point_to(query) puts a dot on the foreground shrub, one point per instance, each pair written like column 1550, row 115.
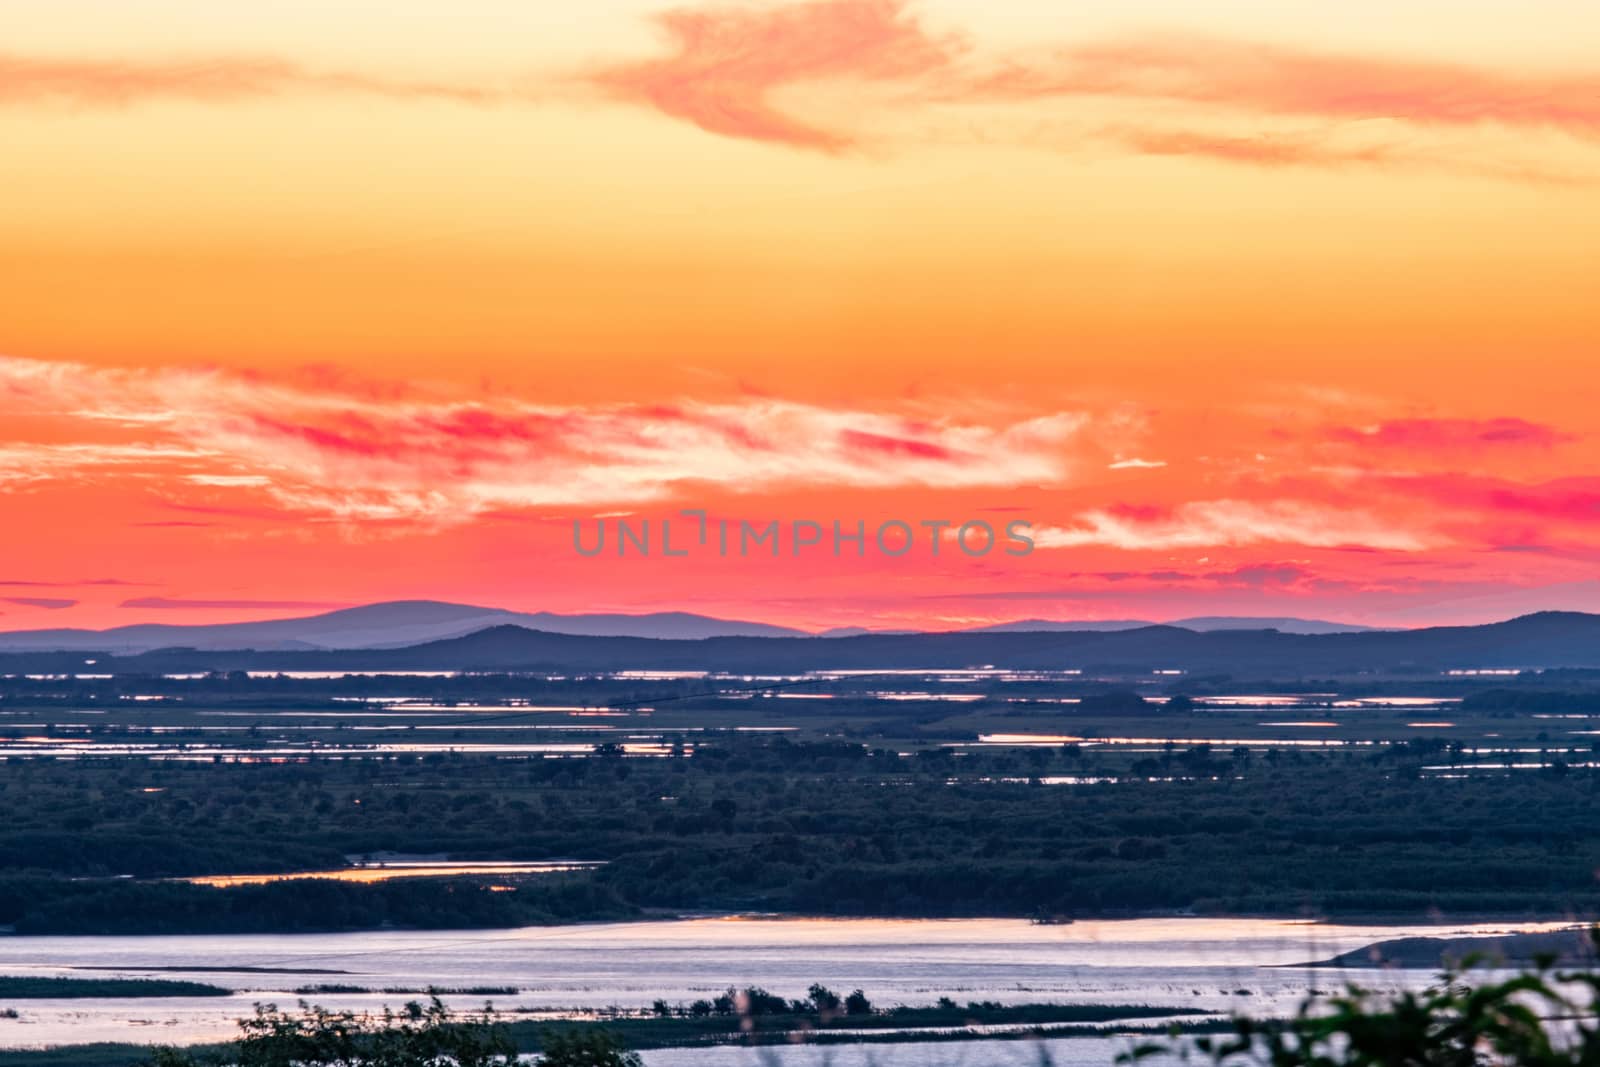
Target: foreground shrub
column 1540, row 1018
column 419, row 1036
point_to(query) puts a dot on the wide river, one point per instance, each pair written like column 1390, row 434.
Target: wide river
column 1228, row 964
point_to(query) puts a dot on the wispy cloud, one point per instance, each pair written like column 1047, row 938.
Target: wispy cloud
column 1271, row 578
column 1452, row 434
column 170, row 604
column 1231, row 523
column 32, row 583
column 725, row 63
column 25, row 463
column 1563, row 500
column 341, row 455
column 726, row 68
column 1277, row 80
column 1259, row 149
column 49, row 603
column 107, row 82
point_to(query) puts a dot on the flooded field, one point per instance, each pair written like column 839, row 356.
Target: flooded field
column 312, row 715
column 383, row 872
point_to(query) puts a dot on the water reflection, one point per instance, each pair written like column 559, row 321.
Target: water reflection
column 1177, row 962
column 384, row 872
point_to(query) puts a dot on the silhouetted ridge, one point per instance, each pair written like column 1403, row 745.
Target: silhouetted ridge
column 1544, row 640
column 393, row 624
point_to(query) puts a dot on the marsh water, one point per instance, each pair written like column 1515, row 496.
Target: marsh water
column 1224, row 964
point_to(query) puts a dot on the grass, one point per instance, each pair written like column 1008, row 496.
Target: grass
column 27, row 988
column 948, row 1023
column 462, row 991
column 901, row 1024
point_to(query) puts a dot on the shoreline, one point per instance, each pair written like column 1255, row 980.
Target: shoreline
column 652, row 1033
column 653, row 916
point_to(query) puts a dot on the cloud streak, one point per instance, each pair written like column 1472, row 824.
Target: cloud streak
column 727, row 68
column 345, row 456
column 1262, row 149
column 162, row 603
column 94, row 82
column 49, row 603
column 1274, row 80
column 726, row 63
column 1232, row 524
column 1452, row 434
column 31, row 583
column 1562, row 500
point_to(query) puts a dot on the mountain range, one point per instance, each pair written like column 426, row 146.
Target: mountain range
column 396, row 624
column 1542, row 640
column 1203, row 623
column 393, row 624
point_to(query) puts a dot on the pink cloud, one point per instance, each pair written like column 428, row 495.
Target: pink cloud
column 1270, row 79
column 873, row 442
column 727, row 65
column 28, row 583
column 1139, row 513
column 1254, row 575
column 119, row 82
column 47, row 602
column 1452, row 434
column 727, row 62
column 170, row 604
column 1563, row 500
column 1263, row 574
column 1208, row 524
column 1259, row 149
column 217, row 443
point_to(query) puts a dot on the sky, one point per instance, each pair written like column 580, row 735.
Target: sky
column 1246, row 308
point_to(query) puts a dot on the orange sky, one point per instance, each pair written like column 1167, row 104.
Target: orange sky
column 1249, row 308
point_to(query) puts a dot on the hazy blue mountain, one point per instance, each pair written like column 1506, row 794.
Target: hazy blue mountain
column 388, row 625
column 1199, row 622
column 1288, row 625
column 1022, row 626
column 398, row 623
column 1544, row 640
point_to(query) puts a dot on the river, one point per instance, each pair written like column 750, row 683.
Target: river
column 1226, row 964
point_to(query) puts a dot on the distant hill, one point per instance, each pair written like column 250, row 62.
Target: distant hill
column 1566, row 947
column 1040, row 626
column 1544, row 640
column 392, row 624
column 1199, row 622
column 398, row 623
column 1287, row 624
